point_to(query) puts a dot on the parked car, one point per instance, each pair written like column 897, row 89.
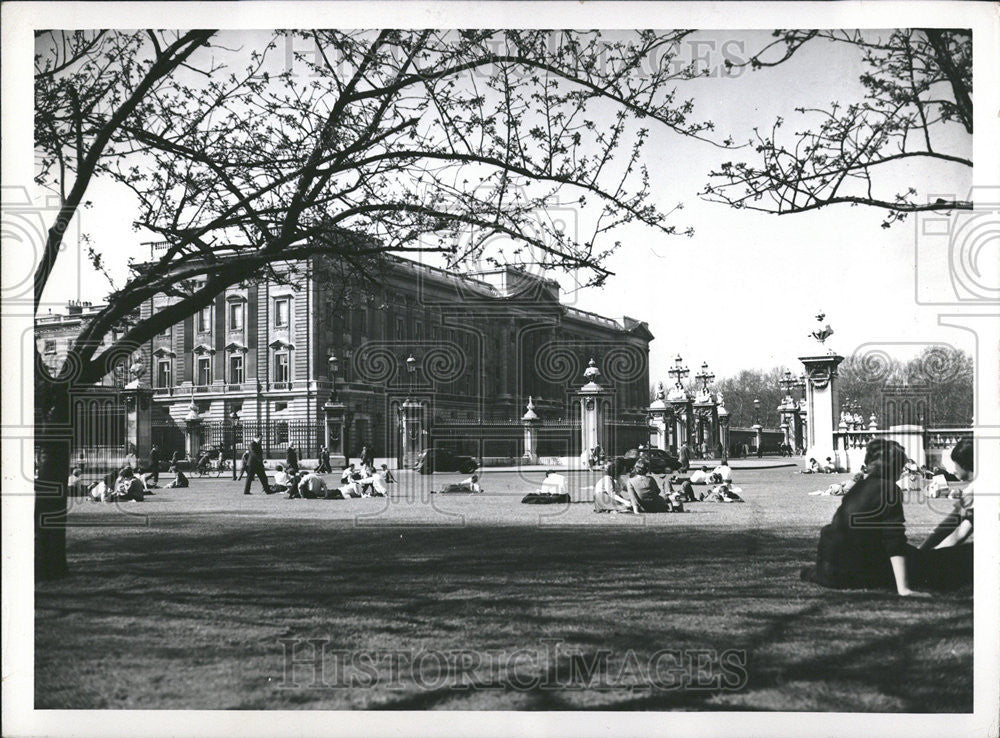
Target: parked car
column 660, row 461
column 441, row 459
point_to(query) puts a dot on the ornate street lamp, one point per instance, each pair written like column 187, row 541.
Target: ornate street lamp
column 679, row 372
column 235, row 418
column 704, row 376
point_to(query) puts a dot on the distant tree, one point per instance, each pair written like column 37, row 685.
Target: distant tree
column 740, row 391
column 373, row 142
column 917, row 106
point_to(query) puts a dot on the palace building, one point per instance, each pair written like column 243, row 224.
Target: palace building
column 471, row 349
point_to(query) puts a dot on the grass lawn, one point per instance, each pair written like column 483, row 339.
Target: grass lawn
column 201, row 598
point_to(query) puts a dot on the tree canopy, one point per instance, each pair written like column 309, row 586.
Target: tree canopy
column 917, row 105
column 373, row 142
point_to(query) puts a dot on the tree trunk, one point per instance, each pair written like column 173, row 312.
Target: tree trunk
column 52, row 449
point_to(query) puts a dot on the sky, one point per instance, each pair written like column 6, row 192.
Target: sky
column 742, row 292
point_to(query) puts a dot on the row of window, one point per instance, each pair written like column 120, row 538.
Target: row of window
column 235, row 374
column 236, row 316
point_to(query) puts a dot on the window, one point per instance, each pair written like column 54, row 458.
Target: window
column 281, row 433
column 50, row 346
column 236, row 316
column 205, row 320
column 281, row 310
column 235, row 369
column 163, row 373
column 363, row 321
column 399, row 328
column 281, row 367
column 204, row 371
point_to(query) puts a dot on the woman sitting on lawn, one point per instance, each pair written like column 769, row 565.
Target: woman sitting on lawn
column 865, row 543
column 956, row 528
column 608, row 493
column 644, row 492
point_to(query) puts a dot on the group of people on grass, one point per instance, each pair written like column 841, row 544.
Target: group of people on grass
column 865, row 545
column 639, row 492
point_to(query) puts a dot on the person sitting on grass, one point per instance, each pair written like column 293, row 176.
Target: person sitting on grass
column 686, row 493
column 470, row 485
column 700, row 476
column 381, row 481
column 75, row 486
column 128, row 486
column 865, row 546
column 956, row 528
column 283, row 481
column 813, row 467
column 723, row 493
column 644, row 492
column 553, row 484
column 828, row 466
column 347, row 476
column 723, row 472
column 180, row 479
column 312, row 486
column 608, row 494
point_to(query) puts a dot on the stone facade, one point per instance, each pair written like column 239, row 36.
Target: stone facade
column 482, row 343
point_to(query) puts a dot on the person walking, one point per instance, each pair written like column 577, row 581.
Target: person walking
column 243, row 464
column 255, row 467
column 367, row 456
column 154, row 464
column 324, row 461
column 685, row 458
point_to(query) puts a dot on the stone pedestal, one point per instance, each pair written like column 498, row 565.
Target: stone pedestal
column 412, row 431
column 138, row 417
column 658, row 412
column 593, row 413
column 530, row 419
column 822, row 402
column 334, row 432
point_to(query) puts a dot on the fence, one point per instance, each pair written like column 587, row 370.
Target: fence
column 276, row 436
column 924, row 445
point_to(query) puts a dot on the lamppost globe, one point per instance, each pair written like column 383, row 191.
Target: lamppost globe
column 333, row 364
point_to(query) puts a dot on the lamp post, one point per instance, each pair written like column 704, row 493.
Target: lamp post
column 704, row 376
column 333, row 365
column 235, row 418
column 678, row 372
column 724, row 432
column 681, row 403
column 411, row 369
column 758, row 427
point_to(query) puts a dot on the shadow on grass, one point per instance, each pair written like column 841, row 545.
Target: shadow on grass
column 209, row 610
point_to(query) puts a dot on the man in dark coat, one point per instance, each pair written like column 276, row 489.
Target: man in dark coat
column 324, row 462
column 291, row 460
column 685, row 457
column 154, row 464
column 367, row 456
column 255, row 467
